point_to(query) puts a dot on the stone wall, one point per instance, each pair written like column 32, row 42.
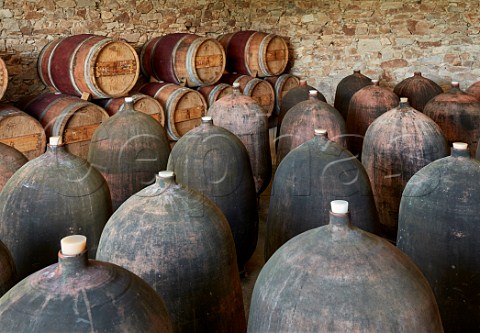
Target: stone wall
column 385, row 39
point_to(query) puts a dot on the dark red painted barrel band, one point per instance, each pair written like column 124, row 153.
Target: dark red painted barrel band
column 113, row 105
column 42, row 65
column 236, row 51
column 36, row 107
column 146, row 56
column 163, row 57
column 61, row 59
column 152, row 88
column 230, row 78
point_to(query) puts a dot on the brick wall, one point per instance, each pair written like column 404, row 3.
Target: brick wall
column 385, row 39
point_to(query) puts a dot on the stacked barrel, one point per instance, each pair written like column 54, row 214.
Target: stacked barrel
column 181, row 62
column 76, row 69
column 3, row 78
column 256, row 60
column 17, row 129
column 255, row 54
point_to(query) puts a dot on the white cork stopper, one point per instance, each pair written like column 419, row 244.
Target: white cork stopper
column 312, row 92
column 236, row 84
column 55, row 140
column 128, row 99
column 460, row 145
column 320, row 131
column 339, row 206
column 374, row 81
column 73, row 245
column 166, row 174
column 455, row 84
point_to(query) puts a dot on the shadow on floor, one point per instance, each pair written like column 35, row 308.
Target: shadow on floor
column 256, row 262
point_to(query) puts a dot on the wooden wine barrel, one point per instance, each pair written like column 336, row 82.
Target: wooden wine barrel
column 183, row 57
column 255, row 53
column 141, row 102
column 260, row 90
column 3, row 78
column 68, row 116
column 10, row 161
column 184, row 107
column 98, row 65
column 213, row 93
column 22, row 132
column 281, row 85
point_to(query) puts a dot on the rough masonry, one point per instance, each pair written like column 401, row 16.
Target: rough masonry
column 386, row 39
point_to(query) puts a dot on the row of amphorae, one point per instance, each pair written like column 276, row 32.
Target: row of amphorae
column 189, row 238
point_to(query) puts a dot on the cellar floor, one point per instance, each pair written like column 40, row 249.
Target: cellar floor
column 256, row 262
